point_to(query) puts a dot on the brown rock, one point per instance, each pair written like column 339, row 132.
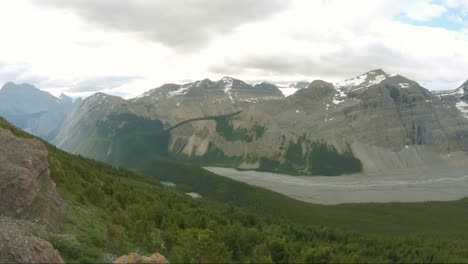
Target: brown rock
column 18, row 246
column 156, row 258
column 26, row 188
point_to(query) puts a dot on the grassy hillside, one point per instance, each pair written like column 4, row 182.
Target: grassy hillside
column 114, row 211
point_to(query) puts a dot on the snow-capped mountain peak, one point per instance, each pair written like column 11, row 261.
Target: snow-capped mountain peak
column 364, row 80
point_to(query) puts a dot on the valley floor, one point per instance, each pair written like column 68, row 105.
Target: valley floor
column 408, row 185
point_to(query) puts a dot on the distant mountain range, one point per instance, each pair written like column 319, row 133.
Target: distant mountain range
column 33, row 110
column 372, row 122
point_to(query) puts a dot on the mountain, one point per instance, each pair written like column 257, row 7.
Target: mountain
column 174, row 103
column 457, row 96
column 372, row 122
column 112, row 212
column 104, row 126
column 35, row 111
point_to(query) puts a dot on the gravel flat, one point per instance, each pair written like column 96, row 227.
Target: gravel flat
column 408, row 185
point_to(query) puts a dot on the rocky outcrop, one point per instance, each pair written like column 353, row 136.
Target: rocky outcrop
column 17, row 245
column 28, row 201
column 26, row 188
column 156, row 258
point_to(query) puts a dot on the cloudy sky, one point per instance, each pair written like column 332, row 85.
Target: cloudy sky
column 125, row 47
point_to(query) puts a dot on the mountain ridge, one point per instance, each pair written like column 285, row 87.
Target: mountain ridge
column 332, row 108
column 34, row 110
column 375, row 121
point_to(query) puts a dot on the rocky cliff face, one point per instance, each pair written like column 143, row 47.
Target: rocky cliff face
column 27, row 198
column 373, row 122
column 26, row 189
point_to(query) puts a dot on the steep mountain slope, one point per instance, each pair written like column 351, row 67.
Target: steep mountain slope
column 35, row 111
column 372, row 122
column 111, row 212
column 105, row 126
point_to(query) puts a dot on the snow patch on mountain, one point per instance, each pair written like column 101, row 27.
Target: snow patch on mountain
column 404, row 85
column 287, row 91
column 181, row 91
column 363, row 81
column 228, row 82
column 377, row 79
column 463, row 107
column 351, row 82
column 336, row 101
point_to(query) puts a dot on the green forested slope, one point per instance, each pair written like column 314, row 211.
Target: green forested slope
column 448, row 220
column 112, row 211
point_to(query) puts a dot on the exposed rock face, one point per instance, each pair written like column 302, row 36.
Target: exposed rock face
column 156, row 258
column 18, row 246
column 26, row 189
column 385, row 121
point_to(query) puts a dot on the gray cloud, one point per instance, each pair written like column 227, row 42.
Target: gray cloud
column 347, row 62
column 183, row 25
column 101, row 83
column 19, row 73
column 288, row 64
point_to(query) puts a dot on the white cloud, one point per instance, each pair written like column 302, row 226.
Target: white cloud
column 456, row 3
column 61, row 49
column 423, row 10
